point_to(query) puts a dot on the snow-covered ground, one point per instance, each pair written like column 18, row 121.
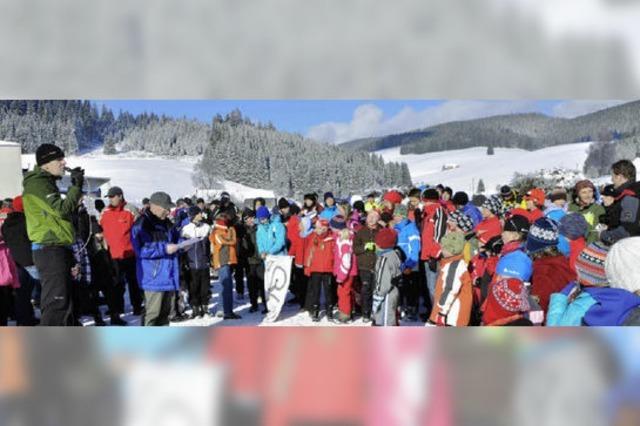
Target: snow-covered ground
column 474, row 164
column 290, row 315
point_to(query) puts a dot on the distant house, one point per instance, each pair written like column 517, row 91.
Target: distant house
column 450, row 166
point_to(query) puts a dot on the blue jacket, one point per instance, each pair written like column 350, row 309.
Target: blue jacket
column 156, row 270
column 329, row 212
column 271, row 237
column 473, row 212
column 409, row 243
column 594, row 306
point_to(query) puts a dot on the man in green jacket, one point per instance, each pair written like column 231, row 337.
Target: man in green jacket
column 51, row 232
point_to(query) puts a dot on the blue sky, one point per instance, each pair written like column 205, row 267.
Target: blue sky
column 339, row 120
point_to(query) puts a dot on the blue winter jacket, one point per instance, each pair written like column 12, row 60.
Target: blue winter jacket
column 271, row 237
column 156, row 270
column 329, row 212
column 473, row 212
column 409, row 243
column 594, row 306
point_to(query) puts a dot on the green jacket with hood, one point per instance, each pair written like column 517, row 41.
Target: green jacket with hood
column 48, row 214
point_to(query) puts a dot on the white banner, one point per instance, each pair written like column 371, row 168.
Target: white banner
column 277, row 275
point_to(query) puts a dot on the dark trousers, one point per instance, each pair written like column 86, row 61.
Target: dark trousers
column 255, row 282
column 125, row 270
column 239, row 272
column 199, row 287
column 54, row 266
column 299, row 283
column 6, row 296
column 410, row 291
column 367, row 280
column 23, row 307
column 320, row 282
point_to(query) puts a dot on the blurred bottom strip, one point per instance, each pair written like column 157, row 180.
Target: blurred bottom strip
column 319, row 376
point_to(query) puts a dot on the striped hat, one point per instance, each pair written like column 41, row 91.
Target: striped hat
column 590, row 265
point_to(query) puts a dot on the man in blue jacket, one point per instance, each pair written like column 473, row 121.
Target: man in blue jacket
column 271, row 234
column 154, row 239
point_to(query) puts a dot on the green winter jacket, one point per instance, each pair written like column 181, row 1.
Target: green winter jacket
column 48, row 214
column 592, row 215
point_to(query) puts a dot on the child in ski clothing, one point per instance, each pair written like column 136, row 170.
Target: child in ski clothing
column 483, row 264
column 508, row 298
column 453, row 297
column 224, row 244
column 255, row 277
column 318, row 265
column 434, row 226
column 271, row 234
column 409, row 243
column 572, row 232
column 534, row 202
column 460, row 222
column 514, row 233
column 8, row 281
column 551, row 270
column 198, row 256
column 364, row 247
column 492, row 207
column 345, row 268
column 388, row 273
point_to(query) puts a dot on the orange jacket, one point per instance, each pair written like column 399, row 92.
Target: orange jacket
column 453, row 296
column 223, row 244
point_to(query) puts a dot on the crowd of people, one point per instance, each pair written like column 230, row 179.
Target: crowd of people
column 554, row 257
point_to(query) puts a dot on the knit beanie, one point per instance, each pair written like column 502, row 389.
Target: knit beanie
column 263, row 213
column 515, row 265
column 542, row 234
column 400, row 210
column 610, row 191
column 328, row 195
column 507, row 298
column 573, row 226
column 505, row 192
column 48, row 152
column 283, row 203
column 393, row 197
column 590, row 265
column 478, row 200
column 430, row 194
column 460, row 198
column 623, row 264
column 453, row 242
column 359, row 205
column 386, row 238
column 536, row 195
column 461, row 220
column 493, row 204
column 338, row 222
column 517, row 223
column 193, row 211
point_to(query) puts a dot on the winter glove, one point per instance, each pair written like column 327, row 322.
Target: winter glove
column 377, row 302
column 433, row 265
column 77, row 177
column 441, row 320
column 370, row 246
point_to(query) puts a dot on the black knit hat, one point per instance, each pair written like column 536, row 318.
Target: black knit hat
column 610, row 191
column 48, row 152
column 460, row 198
column 430, row 194
column 283, row 203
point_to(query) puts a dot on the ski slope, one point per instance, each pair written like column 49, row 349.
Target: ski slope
column 474, row 164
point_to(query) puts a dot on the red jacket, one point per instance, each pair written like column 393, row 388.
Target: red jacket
column 116, row 225
column 318, row 253
column 550, row 275
column 434, row 226
column 296, row 247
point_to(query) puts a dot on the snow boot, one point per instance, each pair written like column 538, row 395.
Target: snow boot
column 315, row 316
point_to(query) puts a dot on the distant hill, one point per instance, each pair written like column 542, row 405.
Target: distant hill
column 530, row 131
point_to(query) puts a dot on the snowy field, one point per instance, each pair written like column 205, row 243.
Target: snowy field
column 494, row 170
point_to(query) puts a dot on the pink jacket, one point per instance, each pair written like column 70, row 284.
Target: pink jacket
column 344, row 263
column 8, row 271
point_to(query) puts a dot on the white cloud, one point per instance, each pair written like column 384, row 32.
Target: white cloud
column 571, row 109
column 369, row 120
